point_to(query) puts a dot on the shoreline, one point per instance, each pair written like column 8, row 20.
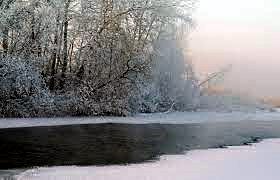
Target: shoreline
column 156, row 118
column 205, row 164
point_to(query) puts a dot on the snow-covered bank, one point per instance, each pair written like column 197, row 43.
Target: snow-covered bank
column 257, row 162
column 170, row 118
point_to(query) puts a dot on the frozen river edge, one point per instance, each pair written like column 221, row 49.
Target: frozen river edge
column 257, row 162
column 161, row 118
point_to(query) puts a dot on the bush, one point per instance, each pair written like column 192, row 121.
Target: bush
column 23, row 92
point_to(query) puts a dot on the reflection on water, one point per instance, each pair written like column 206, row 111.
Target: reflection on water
column 104, row 144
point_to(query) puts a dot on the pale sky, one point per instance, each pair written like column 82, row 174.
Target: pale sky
column 244, row 33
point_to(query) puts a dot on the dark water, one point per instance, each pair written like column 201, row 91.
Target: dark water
column 104, row 144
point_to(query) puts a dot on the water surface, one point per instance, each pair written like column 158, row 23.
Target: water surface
column 108, row 144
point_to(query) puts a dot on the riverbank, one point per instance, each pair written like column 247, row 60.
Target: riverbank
column 256, row 162
column 161, row 118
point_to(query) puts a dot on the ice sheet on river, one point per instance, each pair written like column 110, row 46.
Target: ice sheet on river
column 258, row 162
column 164, row 118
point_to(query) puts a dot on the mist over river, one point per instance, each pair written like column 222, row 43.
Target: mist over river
column 107, row 144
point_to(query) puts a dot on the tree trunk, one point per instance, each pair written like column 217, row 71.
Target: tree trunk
column 53, row 65
column 53, row 61
column 65, row 43
column 5, row 42
column 65, row 37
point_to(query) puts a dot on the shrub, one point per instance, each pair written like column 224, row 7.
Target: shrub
column 23, row 92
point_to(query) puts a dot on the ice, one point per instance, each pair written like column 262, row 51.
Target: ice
column 257, row 162
column 163, row 118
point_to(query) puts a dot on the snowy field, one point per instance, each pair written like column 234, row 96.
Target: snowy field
column 164, row 118
column 257, row 162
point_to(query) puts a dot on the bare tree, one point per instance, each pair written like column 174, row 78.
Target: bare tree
column 99, row 50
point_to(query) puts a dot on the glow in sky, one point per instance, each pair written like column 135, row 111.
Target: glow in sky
column 245, row 33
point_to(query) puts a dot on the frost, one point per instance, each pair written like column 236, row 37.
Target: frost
column 23, row 92
column 93, row 57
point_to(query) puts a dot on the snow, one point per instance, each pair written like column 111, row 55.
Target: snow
column 257, row 162
column 163, row 118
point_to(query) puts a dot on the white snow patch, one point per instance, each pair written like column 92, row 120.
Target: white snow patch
column 162, row 118
column 257, row 162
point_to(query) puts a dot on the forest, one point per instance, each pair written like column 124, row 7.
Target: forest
column 98, row 57
column 95, row 57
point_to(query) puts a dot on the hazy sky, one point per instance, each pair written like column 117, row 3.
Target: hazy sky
column 244, row 33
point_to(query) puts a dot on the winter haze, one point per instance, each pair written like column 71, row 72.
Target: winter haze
column 139, row 89
column 244, row 34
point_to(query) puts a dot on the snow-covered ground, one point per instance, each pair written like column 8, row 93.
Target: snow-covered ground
column 164, row 118
column 257, row 162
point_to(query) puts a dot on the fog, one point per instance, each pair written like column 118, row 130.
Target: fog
column 245, row 34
